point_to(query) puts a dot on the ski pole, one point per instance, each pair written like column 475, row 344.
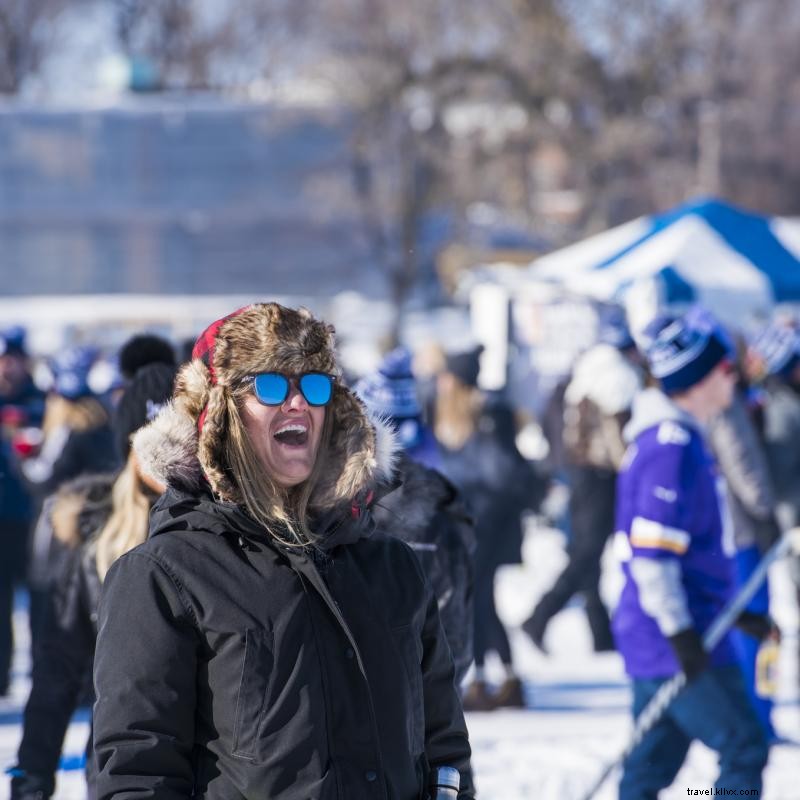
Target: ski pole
column 661, row 700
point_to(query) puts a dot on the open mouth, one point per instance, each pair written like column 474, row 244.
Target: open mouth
column 292, row 435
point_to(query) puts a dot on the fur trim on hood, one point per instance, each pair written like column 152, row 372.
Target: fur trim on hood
column 264, row 337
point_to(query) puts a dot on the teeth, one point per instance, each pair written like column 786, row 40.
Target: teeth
column 292, row 428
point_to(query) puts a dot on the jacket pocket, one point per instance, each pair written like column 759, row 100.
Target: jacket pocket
column 411, row 651
column 257, row 669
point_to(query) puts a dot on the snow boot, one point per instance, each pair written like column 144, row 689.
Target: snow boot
column 478, row 698
column 510, row 694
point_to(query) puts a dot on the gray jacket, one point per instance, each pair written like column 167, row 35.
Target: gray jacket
column 751, row 493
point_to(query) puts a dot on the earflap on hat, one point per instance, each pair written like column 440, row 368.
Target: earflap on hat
column 362, row 452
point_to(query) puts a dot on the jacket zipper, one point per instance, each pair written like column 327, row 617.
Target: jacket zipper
column 303, row 566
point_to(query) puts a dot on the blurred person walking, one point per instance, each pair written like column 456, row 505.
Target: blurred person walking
column 775, row 362
column 424, row 509
column 597, row 403
column 479, row 455
column 94, row 519
column 678, row 569
column 739, row 451
column 76, row 428
column 266, row 640
column 21, row 410
column 76, row 440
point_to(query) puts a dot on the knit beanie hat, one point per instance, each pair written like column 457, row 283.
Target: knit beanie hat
column 466, row 366
column 145, row 395
column 71, row 370
column 391, row 392
column 144, row 348
column 12, row 341
column 680, row 354
column 264, row 337
column 777, row 347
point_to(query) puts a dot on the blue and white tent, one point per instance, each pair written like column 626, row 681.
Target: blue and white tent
column 734, row 262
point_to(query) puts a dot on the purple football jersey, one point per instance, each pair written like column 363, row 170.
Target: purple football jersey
column 669, row 506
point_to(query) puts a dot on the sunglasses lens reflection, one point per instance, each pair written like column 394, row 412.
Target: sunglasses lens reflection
column 271, row 388
column 316, row 388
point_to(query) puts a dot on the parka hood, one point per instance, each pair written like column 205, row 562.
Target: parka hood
column 651, row 407
column 184, row 446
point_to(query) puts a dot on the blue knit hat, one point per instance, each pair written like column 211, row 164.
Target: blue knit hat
column 391, row 392
column 681, row 351
column 70, row 370
column 12, row 341
column 778, row 347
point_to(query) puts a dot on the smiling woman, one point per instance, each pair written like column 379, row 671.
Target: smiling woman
column 267, row 640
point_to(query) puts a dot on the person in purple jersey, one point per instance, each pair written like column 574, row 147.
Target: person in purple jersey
column 678, row 569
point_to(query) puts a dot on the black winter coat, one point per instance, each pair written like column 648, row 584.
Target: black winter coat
column 497, row 483
column 62, row 664
column 228, row 667
column 426, row 512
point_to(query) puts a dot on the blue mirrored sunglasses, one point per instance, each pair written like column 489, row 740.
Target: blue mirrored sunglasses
column 272, row 388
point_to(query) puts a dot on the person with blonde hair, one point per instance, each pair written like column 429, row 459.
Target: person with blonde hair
column 76, row 429
column 479, row 455
column 76, row 440
column 267, row 640
column 92, row 520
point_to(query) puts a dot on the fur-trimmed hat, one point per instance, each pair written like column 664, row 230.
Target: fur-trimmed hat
column 186, row 440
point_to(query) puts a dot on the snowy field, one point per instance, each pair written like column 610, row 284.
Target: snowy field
column 577, row 718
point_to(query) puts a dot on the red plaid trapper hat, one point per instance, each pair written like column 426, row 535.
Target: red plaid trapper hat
column 204, row 350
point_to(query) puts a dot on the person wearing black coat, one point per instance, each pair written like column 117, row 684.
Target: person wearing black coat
column 21, row 411
column 481, row 458
column 425, row 510
column 267, row 640
column 90, row 521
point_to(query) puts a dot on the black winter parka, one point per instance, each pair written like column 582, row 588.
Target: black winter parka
column 229, row 667
column 62, row 662
column 427, row 512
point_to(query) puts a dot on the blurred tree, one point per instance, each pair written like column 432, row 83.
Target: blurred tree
column 612, row 107
column 27, row 31
column 444, row 94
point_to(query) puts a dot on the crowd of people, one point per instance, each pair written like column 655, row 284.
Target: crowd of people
column 267, row 577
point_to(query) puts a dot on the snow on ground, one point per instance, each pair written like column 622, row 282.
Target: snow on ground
column 577, row 718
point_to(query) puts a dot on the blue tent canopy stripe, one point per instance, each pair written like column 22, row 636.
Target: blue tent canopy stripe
column 732, row 260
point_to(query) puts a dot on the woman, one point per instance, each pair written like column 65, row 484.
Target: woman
column 481, row 458
column 76, row 431
column 76, row 440
column 425, row 510
column 93, row 520
column 266, row 641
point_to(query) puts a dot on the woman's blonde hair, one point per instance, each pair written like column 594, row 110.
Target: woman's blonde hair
column 456, row 413
column 83, row 414
column 129, row 522
column 279, row 510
